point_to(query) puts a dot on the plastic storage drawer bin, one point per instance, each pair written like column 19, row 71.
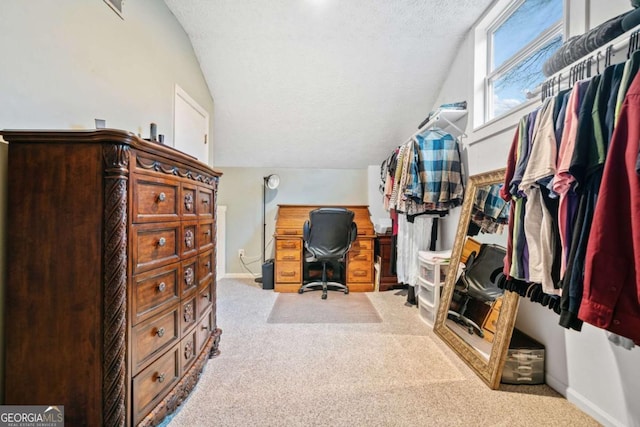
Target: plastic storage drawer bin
column 525, row 361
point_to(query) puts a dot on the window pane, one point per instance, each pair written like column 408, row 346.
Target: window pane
column 510, row 89
column 526, row 23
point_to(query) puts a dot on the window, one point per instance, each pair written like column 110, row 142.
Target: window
column 518, row 42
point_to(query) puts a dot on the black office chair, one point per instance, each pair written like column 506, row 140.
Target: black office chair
column 328, row 234
column 478, row 283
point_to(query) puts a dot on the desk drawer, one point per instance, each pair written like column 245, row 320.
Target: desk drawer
column 359, row 271
column 362, row 244
column 361, row 255
column 288, row 272
column 288, row 255
column 288, row 232
column 289, row 244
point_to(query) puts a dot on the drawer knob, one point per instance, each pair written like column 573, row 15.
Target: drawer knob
column 205, row 201
column 162, row 241
column 207, row 233
column 205, row 327
column 206, row 296
column 208, row 265
column 288, row 273
column 162, row 286
column 162, row 197
column 160, row 332
column 160, row 377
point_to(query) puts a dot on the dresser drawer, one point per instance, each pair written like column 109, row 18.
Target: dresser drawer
column 154, row 199
column 205, row 202
column 205, row 298
column 189, row 238
column 155, row 245
column 288, row 271
column 154, row 335
column 187, row 314
column 205, row 266
column 153, row 383
column 205, row 235
column 203, row 330
column 154, row 290
column 188, row 197
column 359, row 271
column 187, row 352
column 188, row 275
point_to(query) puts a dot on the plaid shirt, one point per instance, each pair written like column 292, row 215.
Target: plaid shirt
column 436, row 174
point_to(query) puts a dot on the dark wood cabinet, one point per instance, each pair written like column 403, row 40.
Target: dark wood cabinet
column 388, row 280
column 110, row 292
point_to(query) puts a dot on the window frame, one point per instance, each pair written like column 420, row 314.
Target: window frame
column 484, row 76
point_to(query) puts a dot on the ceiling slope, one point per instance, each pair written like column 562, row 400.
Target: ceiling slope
column 321, row 83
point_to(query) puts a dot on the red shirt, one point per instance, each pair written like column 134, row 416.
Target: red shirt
column 611, row 297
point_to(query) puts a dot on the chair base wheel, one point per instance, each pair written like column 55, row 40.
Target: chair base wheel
column 324, row 296
column 346, row 291
column 300, row 291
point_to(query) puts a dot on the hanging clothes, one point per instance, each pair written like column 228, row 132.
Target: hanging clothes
column 611, row 297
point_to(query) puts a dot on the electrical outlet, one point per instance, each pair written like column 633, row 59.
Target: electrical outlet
column 240, row 253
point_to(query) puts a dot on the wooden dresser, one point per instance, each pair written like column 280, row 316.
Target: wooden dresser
column 289, row 249
column 383, row 249
column 111, row 291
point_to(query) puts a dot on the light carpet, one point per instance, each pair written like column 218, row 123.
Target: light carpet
column 393, row 373
column 309, row 307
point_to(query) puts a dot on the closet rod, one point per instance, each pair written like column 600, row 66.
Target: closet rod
column 440, row 115
column 618, row 46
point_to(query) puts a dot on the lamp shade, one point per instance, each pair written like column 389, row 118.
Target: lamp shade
column 272, row 181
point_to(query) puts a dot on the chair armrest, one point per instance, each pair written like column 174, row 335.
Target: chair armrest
column 354, row 232
column 306, row 230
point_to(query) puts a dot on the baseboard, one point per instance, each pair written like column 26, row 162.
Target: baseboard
column 591, row 409
column 584, row 404
column 556, row 384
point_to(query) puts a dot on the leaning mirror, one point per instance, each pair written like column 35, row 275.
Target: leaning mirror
column 476, row 317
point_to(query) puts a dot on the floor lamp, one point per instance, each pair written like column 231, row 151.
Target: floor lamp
column 271, row 182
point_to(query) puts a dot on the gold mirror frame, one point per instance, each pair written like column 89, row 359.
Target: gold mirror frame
column 489, row 370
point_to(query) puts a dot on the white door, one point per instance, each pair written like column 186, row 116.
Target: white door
column 191, row 127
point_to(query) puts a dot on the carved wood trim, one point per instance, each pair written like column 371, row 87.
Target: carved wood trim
column 181, row 391
column 175, row 170
column 116, row 162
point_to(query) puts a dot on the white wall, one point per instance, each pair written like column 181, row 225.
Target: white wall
column 241, row 192
column 67, row 62
column 599, row 377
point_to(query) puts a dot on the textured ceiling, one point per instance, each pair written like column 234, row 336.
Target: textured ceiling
column 321, row 83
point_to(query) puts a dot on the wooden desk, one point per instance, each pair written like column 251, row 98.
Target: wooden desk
column 289, row 249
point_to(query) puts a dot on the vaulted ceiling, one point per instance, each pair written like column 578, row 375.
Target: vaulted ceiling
column 321, row 83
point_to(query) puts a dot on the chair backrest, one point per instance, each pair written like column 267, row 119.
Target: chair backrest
column 329, row 232
column 480, row 275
